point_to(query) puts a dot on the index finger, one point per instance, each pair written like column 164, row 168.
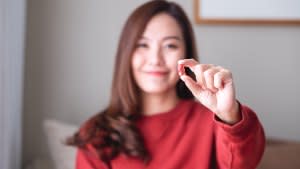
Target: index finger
column 190, row 63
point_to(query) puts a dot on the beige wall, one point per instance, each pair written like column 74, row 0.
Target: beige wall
column 70, row 54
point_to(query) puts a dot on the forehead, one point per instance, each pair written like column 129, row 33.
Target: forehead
column 162, row 25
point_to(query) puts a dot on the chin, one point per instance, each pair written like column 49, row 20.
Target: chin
column 155, row 89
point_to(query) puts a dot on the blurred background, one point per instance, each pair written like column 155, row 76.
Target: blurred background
column 69, row 50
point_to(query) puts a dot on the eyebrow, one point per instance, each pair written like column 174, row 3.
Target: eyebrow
column 172, row 37
column 165, row 38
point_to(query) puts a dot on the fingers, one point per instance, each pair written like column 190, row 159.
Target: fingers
column 222, row 78
column 186, row 63
column 202, row 72
column 208, row 76
column 191, row 84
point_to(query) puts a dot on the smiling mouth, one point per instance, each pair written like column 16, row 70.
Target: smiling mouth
column 156, row 73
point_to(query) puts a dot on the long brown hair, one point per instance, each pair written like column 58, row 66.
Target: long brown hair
column 113, row 131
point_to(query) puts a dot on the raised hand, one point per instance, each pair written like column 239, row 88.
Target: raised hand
column 213, row 87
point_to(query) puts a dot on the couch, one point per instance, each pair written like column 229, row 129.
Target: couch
column 279, row 154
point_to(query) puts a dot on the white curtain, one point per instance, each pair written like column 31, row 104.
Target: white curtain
column 12, row 30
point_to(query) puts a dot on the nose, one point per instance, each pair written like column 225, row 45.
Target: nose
column 156, row 56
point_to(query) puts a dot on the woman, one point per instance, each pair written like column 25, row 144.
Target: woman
column 168, row 111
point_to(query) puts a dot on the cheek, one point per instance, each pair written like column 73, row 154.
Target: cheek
column 172, row 60
column 135, row 62
column 136, row 65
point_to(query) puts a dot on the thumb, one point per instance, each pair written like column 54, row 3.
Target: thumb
column 191, row 84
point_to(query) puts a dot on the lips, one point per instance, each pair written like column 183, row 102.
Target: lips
column 156, row 73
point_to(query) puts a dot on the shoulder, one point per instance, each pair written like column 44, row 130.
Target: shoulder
column 87, row 158
column 88, row 152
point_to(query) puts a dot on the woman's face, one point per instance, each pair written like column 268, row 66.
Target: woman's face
column 154, row 61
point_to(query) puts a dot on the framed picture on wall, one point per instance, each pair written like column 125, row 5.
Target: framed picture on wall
column 247, row 11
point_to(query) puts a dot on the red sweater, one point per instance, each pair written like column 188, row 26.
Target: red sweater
column 191, row 137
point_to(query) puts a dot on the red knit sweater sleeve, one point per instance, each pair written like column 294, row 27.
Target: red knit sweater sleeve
column 240, row 146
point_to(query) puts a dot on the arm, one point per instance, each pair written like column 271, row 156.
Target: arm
column 239, row 146
column 239, row 136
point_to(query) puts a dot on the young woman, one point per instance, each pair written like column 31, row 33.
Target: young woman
column 167, row 110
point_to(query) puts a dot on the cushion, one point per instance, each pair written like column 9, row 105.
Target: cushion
column 281, row 155
column 56, row 132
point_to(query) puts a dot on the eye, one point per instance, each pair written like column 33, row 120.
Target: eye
column 171, row 46
column 142, row 45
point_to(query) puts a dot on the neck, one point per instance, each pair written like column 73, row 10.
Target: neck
column 158, row 103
